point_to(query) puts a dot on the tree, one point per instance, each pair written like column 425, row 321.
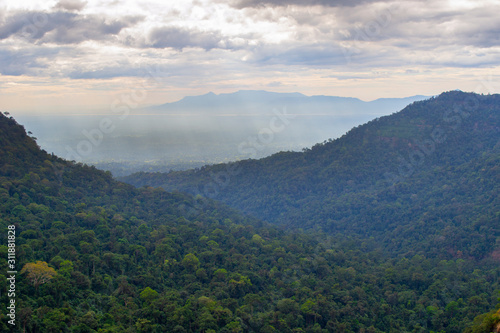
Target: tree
column 148, row 294
column 190, row 261
column 38, row 273
column 55, row 321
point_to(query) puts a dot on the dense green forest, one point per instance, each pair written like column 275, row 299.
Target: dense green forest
column 120, row 259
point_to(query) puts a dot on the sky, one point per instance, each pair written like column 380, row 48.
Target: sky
column 68, row 56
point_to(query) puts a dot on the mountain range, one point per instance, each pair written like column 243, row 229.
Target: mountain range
column 261, row 102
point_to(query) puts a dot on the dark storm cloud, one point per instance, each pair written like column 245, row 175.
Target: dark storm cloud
column 62, row 27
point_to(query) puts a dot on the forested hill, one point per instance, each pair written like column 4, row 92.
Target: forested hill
column 423, row 180
column 97, row 255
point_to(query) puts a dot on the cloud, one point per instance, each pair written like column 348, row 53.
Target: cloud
column 275, row 84
column 62, row 27
column 312, row 55
column 349, row 77
column 481, row 28
column 180, row 38
column 22, row 62
column 426, row 27
column 283, row 3
column 241, row 36
column 125, row 69
column 71, row 5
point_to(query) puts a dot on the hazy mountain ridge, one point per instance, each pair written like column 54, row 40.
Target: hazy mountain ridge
column 261, row 101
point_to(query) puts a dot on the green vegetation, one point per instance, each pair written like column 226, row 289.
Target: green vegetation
column 486, row 323
column 108, row 257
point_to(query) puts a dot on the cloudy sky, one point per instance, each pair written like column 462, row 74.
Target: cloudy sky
column 72, row 55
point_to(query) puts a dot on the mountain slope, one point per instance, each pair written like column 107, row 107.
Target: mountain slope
column 429, row 170
column 144, row 260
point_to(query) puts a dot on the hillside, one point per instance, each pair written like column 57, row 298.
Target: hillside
column 424, row 180
column 144, row 260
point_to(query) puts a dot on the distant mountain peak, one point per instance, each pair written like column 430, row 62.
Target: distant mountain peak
column 262, row 99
